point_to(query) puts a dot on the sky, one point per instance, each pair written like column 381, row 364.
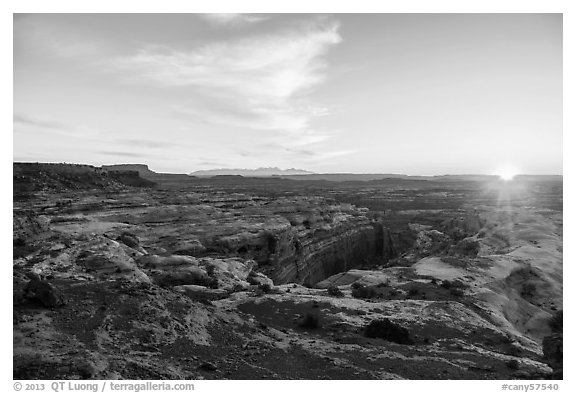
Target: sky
column 419, row 94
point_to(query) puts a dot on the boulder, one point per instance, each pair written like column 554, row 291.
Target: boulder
column 230, row 272
column 256, row 278
column 189, row 247
column 163, row 262
column 186, row 275
column 468, row 247
column 129, row 239
column 106, row 258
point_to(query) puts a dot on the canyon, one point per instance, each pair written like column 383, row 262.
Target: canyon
column 123, row 273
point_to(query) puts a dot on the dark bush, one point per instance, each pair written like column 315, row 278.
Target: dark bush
column 310, row 321
column 456, row 292
column 513, row 364
column 447, row 284
column 333, row 290
column 514, row 351
column 556, row 323
column 363, row 292
column 389, row 331
column 528, row 290
column 413, row 292
column 212, row 283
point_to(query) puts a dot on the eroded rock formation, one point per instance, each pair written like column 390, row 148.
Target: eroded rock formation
column 209, row 282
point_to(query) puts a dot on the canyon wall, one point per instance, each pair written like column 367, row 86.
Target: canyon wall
column 309, row 256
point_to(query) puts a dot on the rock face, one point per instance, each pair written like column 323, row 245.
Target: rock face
column 292, row 239
column 35, row 177
column 307, row 256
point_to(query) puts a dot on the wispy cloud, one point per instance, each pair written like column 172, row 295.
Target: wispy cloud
column 56, row 127
column 260, row 82
column 223, row 19
column 41, row 123
column 147, row 143
column 122, row 154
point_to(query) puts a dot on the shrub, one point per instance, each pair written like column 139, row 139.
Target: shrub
column 413, row 292
column 456, row 292
column 389, row 331
column 310, row 321
column 213, row 283
column 513, row 364
column 363, row 292
column 333, row 290
column 447, row 284
column 514, row 351
column 556, row 323
column 528, row 290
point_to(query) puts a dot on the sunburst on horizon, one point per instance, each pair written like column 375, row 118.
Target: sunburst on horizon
column 507, row 173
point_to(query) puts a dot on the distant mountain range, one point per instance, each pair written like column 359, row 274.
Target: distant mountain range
column 300, row 174
column 259, row 172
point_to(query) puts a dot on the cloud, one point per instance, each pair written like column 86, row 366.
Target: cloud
column 223, row 19
column 211, row 163
column 260, row 82
column 57, row 128
column 147, row 143
column 122, row 154
column 41, row 123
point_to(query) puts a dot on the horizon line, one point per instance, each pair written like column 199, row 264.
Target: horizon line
column 303, row 174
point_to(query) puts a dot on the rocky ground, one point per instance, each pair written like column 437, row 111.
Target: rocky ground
column 117, row 282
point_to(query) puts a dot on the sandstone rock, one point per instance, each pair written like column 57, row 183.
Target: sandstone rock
column 197, row 292
column 431, row 242
column 184, row 275
column 129, row 239
column 166, row 262
column 189, row 247
column 229, row 272
column 468, row 247
column 256, row 278
column 26, row 226
column 208, row 366
column 106, row 258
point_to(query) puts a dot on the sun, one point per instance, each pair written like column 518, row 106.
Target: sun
column 507, row 173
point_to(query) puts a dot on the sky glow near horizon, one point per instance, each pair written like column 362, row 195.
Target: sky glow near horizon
column 418, row 94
